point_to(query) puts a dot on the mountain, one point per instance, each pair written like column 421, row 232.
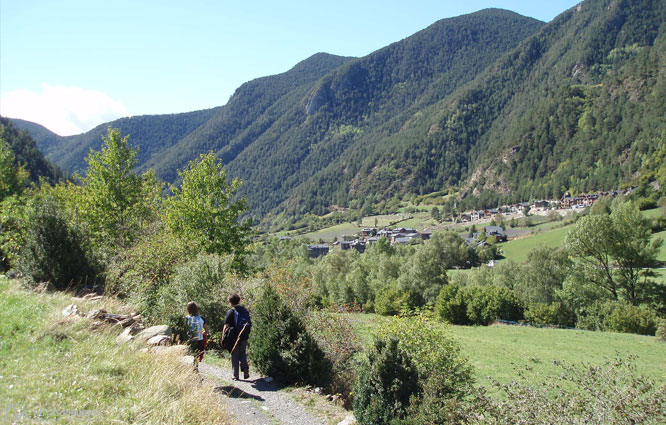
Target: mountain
column 494, row 105
column 27, row 153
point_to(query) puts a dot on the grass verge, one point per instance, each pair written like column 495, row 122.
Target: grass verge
column 58, row 370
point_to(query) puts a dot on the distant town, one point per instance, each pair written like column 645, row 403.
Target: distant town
column 405, row 235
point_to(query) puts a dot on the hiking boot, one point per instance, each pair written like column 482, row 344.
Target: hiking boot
column 246, row 374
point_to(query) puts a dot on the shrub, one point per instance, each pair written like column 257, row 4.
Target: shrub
column 385, row 384
column 618, row 316
column 541, row 314
column 391, row 300
column 335, row 335
column 608, row 394
column 281, row 347
column 661, row 331
column 451, row 306
column 205, row 280
column 477, row 305
column 54, row 250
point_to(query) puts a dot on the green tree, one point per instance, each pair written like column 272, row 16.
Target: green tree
column 203, row 209
column 615, row 251
column 116, row 201
column 12, row 177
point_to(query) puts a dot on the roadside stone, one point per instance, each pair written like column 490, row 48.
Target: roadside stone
column 159, row 340
column 349, row 420
column 126, row 322
column 71, row 310
column 96, row 314
column 178, row 350
column 187, row 360
column 127, row 335
column 152, row 331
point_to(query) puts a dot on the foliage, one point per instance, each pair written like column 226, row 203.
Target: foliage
column 385, row 384
column 13, row 226
column 203, row 210
column 334, row 334
column 53, row 250
column 115, row 202
column 615, row 251
column 557, row 314
column 618, row 316
column 607, row 394
column 477, row 305
column 281, row 347
column 661, row 331
column 205, row 279
column 392, row 300
column 12, row 177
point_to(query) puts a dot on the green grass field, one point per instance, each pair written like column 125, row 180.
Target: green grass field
column 494, row 350
column 518, row 249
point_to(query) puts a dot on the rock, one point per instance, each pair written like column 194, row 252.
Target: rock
column 12, row 274
column 178, row 350
column 71, row 310
column 187, row 360
column 127, row 335
column 152, row 331
column 96, row 314
column 349, row 420
column 159, row 340
column 44, row 287
column 96, row 325
column 126, row 322
column 268, row 379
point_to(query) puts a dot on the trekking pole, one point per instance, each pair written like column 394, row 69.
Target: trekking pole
column 238, row 339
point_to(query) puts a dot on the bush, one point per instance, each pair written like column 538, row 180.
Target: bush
column 281, row 347
column 206, row 280
column 140, row 271
column 335, row 335
column 618, row 316
column 385, row 384
column 54, row 250
column 541, row 314
column 477, row 305
column 451, row 306
column 609, row 394
column 661, row 331
column 391, row 300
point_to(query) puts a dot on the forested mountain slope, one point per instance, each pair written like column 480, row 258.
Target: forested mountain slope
column 500, row 106
column 27, row 154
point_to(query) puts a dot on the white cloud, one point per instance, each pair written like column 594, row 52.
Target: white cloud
column 63, row 110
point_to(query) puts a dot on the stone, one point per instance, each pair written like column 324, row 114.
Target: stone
column 159, row 340
column 152, row 331
column 126, row 322
column 71, row 310
column 178, row 350
column 187, row 360
column 96, row 314
column 349, row 420
column 124, row 337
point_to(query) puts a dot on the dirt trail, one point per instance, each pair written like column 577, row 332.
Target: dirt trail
column 255, row 401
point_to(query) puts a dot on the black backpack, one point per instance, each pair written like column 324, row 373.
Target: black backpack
column 242, row 320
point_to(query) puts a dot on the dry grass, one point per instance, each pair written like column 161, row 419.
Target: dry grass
column 58, row 370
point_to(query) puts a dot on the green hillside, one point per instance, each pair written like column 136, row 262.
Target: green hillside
column 492, row 106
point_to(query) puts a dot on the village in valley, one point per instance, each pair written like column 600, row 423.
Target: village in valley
column 494, row 217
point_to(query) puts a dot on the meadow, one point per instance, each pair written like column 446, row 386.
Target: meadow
column 496, row 351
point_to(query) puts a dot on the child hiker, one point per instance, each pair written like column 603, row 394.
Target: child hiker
column 197, row 332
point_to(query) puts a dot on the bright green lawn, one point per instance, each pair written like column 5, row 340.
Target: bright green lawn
column 337, row 231
column 493, row 350
column 518, row 249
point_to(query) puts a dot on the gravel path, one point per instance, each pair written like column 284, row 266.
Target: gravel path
column 255, row 401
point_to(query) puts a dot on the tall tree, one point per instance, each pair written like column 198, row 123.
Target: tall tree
column 12, row 177
column 615, row 251
column 115, row 200
column 203, row 209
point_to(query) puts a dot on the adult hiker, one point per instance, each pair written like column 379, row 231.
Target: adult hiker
column 238, row 325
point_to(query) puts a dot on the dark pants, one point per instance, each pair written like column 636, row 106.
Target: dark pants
column 239, row 358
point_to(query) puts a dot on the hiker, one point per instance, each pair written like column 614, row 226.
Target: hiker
column 197, row 332
column 237, row 326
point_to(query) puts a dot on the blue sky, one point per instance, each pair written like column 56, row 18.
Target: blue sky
column 70, row 65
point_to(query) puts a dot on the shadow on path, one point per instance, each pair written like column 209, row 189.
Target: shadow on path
column 233, row 392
